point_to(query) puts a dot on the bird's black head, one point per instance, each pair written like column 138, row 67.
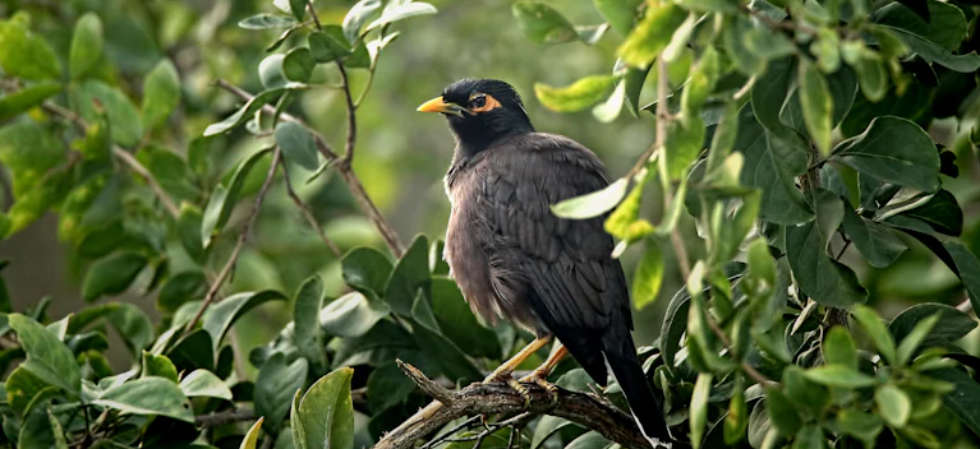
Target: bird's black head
column 481, row 112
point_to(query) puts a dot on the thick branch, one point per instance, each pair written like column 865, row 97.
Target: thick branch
column 500, row 398
column 343, row 165
column 123, row 155
column 233, row 258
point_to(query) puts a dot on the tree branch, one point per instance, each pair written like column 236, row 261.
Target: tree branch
column 122, row 155
column 351, row 114
column 501, row 398
column 233, row 258
column 343, row 165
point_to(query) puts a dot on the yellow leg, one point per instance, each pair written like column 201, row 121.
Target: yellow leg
column 509, row 366
column 558, row 352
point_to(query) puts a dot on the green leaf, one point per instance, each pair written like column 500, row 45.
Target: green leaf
column 112, row 274
column 818, row 105
column 29, row 152
column 871, row 73
column 366, row 269
column 651, row 34
column 148, row 396
column 907, row 347
column 357, row 16
column 126, row 129
column 329, row 44
column 608, row 110
column 251, row 439
column 542, row 24
column 48, row 358
column 298, row 64
column 952, row 324
column 14, row 103
column 967, row 267
column 895, row 150
column 579, row 95
column 410, row 273
column 181, row 288
column 26, row 55
column 297, row 144
column 620, row 14
column 945, row 24
column 457, row 321
column 225, row 196
column 771, row 165
column 396, row 11
column 157, row 365
column 86, row 45
column 893, row 405
column 220, row 316
column 839, row 376
column 648, row 276
column 271, row 72
column 683, row 144
column 245, row 112
column 964, row 402
column 589, row 440
column 737, row 419
column 861, row 425
column 201, row 382
column 592, row 204
column 189, row 231
column 132, row 324
column 171, row 171
column 275, row 385
column 699, row 408
column 264, row 21
column 298, row 8
column 877, row 243
column 809, row 437
column 324, row 418
column 307, row 333
column 932, row 52
column 838, row 348
column 941, row 212
column 820, row 277
column 808, row 398
column 388, row 387
column 875, row 328
column 194, row 350
column 161, row 93
column 782, row 413
column 351, row 315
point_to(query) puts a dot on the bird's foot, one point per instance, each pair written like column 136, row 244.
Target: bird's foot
column 499, row 375
column 521, row 390
column 540, row 379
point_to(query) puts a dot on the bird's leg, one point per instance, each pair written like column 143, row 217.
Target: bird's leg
column 503, row 371
column 540, row 374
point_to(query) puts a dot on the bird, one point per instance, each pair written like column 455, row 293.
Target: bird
column 513, row 259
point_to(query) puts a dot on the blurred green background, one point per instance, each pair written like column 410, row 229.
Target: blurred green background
column 401, row 154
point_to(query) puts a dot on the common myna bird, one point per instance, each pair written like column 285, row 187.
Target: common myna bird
column 514, row 259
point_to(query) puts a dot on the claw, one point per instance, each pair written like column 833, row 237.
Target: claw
column 520, row 389
column 539, row 378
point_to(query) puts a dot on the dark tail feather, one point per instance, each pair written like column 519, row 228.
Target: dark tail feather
column 646, row 408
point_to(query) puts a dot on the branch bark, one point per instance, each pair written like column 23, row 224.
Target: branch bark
column 343, row 165
column 224, row 417
column 500, row 398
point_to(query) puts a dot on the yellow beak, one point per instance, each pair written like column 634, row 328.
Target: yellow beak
column 438, row 105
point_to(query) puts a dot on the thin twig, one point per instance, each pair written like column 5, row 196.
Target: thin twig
column 122, row 154
column 233, row 258
column 308, row 214
column 750, row 370
column 316, row 20
column 345, row 169
column 224, row 417
column 351, row 115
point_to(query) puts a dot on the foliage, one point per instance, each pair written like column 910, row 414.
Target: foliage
column 804, row 142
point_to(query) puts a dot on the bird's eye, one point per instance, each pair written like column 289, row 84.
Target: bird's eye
column 478, row 101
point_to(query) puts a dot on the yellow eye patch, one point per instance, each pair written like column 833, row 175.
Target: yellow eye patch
column 480, row 102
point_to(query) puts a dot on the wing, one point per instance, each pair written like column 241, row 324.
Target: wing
column 561, row 267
